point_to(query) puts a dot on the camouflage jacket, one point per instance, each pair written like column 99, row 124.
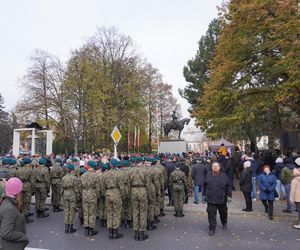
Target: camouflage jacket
column 56, row 174
column 70, row 188
column 90, row 186
column 112, row 181
column 179, row 178
column 41, row 177
column 25, row 175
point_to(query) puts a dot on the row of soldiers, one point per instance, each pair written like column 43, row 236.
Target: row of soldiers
column 121, row 193
column 118, row 194
column 37, row 180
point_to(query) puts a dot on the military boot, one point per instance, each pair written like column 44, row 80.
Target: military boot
column 142, row 236
column 101, row 223
column 105, row 223
column 27, row 220
column 176, row 214
column 116, row 234
column 151, row 226
column 93, row 232
column 30, row 214
column 43, row 214
column 123, row 223
column 57, row 209
column 156, row 220
column 180, row 214
column 136, row 235
column 162, row 213
column 72, row 229
column 129, row 223
column 38, row 213
column 81, row 221
column 67, row 228
column 86, row 231
column 110, row 233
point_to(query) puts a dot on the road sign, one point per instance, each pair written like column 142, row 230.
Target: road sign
column 116, row 135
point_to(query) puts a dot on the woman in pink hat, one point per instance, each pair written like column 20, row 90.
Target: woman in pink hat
column 12, row 221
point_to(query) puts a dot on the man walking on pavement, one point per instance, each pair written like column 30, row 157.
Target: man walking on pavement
column 218, row 193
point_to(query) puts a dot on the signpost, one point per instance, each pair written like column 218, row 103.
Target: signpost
column 116, row 136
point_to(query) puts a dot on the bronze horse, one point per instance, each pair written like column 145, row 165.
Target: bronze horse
column 172, row 126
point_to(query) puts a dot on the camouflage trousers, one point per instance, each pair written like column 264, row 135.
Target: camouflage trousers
column 162, row 199
column 26, row 201
column 139, row 201
column 113, row 207
column 101, row 208
column 56, row 194
column 80, row 210
column 40, row 197
column 157, row 206
column 151, row 207
column 178, row 198
column 89, row 211
column 127, row 209
column 70, row 210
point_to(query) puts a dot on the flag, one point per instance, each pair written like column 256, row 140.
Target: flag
column 128, row 140
column 134, row 139
column 138, row 137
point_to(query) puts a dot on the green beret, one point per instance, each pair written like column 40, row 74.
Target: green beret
column 42, row 161
column 125, row 163
column 92, row 164
column 74, row 159
column 12, row 161
column 139, row 159
column 148, row 159
column 157, row 158
column 114, row 162
column 27, row 160
column 104, row 166
column 82, row 170
column 133, row 159
column 71, row 167
column 5, row 161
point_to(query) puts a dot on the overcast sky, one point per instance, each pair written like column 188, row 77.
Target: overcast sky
column 166, row 32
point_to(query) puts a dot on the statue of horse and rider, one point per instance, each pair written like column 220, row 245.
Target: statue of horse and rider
column 175, row 125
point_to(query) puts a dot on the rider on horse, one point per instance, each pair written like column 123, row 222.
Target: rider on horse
column 175, row 118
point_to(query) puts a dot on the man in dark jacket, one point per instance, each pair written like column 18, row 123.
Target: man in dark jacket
column 199, row 171
column 286, row 179
column 246, row 185
column 218, row 192
column 170, row 167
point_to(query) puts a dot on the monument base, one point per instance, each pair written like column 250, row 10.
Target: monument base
column 173, row 147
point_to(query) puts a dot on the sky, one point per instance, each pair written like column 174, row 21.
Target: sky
column 166, row 33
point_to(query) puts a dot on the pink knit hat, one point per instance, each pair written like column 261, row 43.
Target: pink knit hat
column 13, row 186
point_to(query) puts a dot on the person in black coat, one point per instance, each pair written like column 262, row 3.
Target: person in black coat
column 199, row 171
column 246, row 185
column 170, row 167
column 218, row 193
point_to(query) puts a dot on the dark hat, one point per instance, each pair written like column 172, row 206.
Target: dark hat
column 27, row 160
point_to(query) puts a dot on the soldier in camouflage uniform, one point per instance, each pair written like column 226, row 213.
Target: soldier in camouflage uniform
column 178, row 185
column 163, row 181
column 139, row 198
column 76, row 163
column 101, row 199
column 56, row 175
column 114, row 196
column 79, row 197
column 90, row 192
column 69, row 192
column 159, row 176
column 127, row 209
column 41, row 184
column 25, row 175
column 152, row 192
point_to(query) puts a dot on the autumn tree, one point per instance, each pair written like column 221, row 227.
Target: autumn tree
column 255, row 62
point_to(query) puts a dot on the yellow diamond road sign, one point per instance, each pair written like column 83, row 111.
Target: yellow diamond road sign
column 116, row 135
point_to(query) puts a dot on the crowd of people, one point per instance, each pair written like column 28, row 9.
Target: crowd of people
column 128, row 191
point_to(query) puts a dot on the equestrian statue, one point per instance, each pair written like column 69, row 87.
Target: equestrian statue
column 175, row 125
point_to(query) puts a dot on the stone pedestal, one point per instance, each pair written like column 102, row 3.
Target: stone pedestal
column 172, row 146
